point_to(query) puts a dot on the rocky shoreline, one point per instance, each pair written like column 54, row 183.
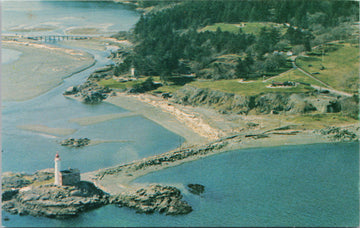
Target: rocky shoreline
column 56, row 201
column 154, row 198
column 26, row 194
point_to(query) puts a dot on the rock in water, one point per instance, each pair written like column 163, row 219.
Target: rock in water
column 75, row 142
column 196, row 189
column 154, row 198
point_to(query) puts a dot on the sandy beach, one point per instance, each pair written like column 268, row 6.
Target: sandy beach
column 39, row 68
column 157, row 115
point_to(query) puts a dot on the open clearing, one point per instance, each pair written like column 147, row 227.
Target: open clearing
column 247, row 27
column 338, row 68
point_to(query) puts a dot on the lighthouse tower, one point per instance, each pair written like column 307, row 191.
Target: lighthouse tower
column 57, row 169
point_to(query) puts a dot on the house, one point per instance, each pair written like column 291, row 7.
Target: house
column 69, row 177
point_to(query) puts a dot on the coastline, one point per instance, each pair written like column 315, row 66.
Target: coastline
column 118, row 179
column 206, row 133
column 199, row 127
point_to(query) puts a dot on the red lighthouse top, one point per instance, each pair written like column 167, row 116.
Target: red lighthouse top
column 57, row 155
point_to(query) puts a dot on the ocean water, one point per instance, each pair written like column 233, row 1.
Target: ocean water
column 27, row 151
column 306, row 185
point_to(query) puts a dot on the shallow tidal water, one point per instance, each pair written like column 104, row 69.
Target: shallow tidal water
column 307, row 185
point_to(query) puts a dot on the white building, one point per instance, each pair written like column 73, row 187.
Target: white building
column 57, row 169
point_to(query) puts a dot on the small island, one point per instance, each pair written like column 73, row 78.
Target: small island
column 56, row 193
column 71, row 142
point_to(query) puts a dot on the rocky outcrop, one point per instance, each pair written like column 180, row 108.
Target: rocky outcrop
column 154, row 198
column 264, row 103
column 339, row 134
column 19, row 180
column 196, row 189
column 9, row 194
column 71, row 90
column 71, row 142
column 56, row 201
column 90, row 91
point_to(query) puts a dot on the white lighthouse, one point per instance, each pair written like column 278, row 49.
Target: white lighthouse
column 57, row 169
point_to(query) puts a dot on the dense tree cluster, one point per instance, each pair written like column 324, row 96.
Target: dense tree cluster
column 169, row 41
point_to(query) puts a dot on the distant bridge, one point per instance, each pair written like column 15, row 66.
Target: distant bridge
column 57, row 37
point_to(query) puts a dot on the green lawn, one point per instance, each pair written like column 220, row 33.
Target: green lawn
column 247, row 89
column 341, row 67
column 247, row 27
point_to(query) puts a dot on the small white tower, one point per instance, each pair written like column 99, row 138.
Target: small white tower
column 57, row 169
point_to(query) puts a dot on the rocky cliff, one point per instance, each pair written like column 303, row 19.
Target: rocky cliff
column 263, row 103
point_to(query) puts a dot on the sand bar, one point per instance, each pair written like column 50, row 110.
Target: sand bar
column 39, row 69
column 47, row 130
column 83, row 121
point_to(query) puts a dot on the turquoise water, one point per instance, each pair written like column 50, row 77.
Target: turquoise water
column 25, row 151
column 9, row 55
column 308, row 185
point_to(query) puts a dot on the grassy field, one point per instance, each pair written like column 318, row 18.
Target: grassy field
column 320, row 120
column 341, row 67
column 295, row 76
column 113, row 84
column 247, row 27
column 247, row 88
column 231, row 86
